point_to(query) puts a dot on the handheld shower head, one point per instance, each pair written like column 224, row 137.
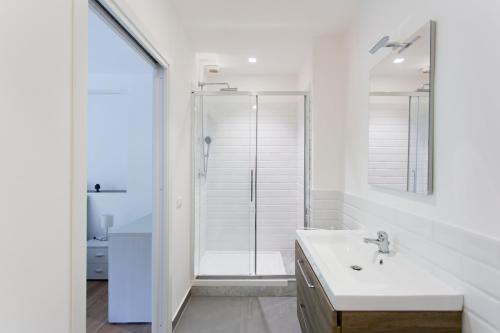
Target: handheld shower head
column 208, row 141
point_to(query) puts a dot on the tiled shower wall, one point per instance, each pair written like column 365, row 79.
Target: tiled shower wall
column 279, row 195
column 388, row 155
column 468, row 261
column 226, row 220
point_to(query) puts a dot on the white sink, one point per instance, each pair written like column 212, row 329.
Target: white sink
column 386, row 282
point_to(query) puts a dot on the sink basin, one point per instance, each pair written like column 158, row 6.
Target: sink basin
column 356, row 277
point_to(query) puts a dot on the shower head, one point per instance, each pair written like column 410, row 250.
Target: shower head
column 229, row 89
column 206, row 155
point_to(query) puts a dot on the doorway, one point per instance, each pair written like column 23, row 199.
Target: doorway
column 125, row 166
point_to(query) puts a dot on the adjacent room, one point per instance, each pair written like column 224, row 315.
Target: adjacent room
column 120, row 140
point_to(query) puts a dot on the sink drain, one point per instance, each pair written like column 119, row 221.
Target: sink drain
column 356, row 267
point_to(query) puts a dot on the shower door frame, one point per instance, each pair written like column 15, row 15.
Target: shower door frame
column 307, row 173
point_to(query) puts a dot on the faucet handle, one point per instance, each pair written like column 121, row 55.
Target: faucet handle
column 382, row 235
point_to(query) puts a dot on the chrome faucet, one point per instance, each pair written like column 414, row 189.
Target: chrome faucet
column 382, row 241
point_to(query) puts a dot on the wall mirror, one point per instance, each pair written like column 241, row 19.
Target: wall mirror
column 401, row 114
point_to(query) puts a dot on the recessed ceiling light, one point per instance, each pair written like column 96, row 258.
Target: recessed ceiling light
column 398, row 60
column 252, row 60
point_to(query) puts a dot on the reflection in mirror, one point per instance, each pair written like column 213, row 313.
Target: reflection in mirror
column 401, row 116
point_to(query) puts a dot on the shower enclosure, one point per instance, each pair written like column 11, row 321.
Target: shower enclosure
column 251, row 181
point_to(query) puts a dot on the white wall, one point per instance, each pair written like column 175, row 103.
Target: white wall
column 35, row 120
column 120, row 145
column 36, row 103
column 466, row 113
column 323, row 73
column 108, row 122
column 454, row 231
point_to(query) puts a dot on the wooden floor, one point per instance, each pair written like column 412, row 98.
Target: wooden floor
column 97, row 312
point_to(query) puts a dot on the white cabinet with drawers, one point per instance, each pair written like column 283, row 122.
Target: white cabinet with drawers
column 130, row 278
column 97, row 260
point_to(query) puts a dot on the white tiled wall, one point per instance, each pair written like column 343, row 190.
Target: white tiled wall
column 326, row 209
column 468, row 261
column 388, row 155
column 279, row 193
column 226, row 221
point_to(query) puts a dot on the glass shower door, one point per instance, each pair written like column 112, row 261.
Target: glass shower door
column 225, row 160
column 280, row 181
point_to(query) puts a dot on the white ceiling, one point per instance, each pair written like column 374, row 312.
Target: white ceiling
column 278, row 33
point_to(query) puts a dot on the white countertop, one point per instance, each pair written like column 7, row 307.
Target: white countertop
column 395, row 285
column 143, row 225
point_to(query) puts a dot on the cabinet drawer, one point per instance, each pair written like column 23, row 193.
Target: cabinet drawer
column 97, row 255
column 302, row 318
column 97, row 271
column 312, row 303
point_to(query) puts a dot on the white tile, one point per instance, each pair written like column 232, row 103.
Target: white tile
column 481, row 276
column 472, row 245
column 325, row 194
column 475, row 324
column 440, row 256
column 482, row 304
column 326, row 204
column 351, row 224
column 468, row 262
column 327, row 215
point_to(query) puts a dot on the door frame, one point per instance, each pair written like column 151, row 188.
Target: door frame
column 265, row 279
column 161, row 287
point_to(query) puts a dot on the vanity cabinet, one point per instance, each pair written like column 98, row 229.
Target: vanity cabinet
column 317, row 315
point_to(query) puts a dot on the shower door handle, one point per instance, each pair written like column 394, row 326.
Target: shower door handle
column 251, row 185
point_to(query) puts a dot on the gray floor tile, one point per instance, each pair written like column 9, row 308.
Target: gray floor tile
column 239, row 315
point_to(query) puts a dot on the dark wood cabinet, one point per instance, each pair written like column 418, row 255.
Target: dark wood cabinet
column 317, row 315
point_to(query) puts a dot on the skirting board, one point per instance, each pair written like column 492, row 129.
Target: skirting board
column 179, row 313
